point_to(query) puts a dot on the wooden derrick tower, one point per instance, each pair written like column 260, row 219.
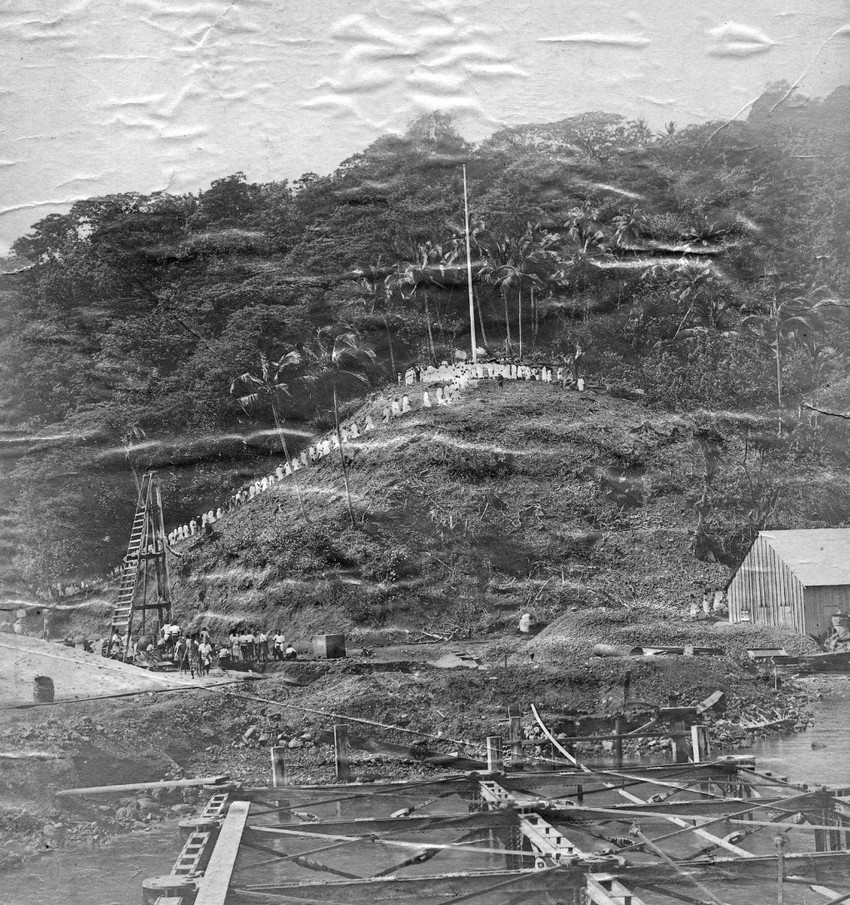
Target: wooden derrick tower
column 144, row 577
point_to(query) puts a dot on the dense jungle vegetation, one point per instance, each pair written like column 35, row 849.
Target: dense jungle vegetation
column 704, row 268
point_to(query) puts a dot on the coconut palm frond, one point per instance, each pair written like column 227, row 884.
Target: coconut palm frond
column 293, row 359
column 357, row 375
column 242, row 380
column 249, row 401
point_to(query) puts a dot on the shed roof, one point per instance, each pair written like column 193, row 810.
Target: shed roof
column 817, row 556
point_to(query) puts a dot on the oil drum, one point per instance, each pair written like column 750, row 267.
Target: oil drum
column 43, row 690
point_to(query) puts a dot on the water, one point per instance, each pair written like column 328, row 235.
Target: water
column 97, row 875
column 113, row 874
column 819, row 755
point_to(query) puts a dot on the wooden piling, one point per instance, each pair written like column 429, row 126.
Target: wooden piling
column 494, row 754
column 680, row 742
column 278, row 756
column 701, row 744
column 618, row 741
column 517, row 761
column 343, row 770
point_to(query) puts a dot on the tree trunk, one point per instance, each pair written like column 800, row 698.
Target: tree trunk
column 510, row 344
column 779, row 381
column 390, row 343
column 533, row 319
column 519, row 319
column 480, row 320
column 430, row 332
column 342, row 458
column 283, row 444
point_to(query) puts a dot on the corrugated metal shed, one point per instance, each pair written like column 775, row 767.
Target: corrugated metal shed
column 818, row 557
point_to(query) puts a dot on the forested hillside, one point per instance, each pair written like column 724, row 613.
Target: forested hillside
column 702, row 270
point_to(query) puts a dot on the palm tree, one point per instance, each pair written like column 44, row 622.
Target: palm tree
column 535, row 248
column 692, row 283
column 788, row 318
column 268, row 387
column 503, row 270
column 372, row 286
column 413, row 272
column 587, row 244
column 332, row 357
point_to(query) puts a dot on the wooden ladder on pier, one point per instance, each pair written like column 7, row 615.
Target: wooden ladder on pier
column 147, row 543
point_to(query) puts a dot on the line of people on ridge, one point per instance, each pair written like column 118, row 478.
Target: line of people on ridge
column 451, row 380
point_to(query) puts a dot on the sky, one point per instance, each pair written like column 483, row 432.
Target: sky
column 103, row 96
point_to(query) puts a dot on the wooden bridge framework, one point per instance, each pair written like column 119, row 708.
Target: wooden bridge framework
column 683, row 833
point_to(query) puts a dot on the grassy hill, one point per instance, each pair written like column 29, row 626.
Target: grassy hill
column 529, row 498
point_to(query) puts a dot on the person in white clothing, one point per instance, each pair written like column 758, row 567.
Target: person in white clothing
column 204, row 658
column 405, row 404
column 426, row 400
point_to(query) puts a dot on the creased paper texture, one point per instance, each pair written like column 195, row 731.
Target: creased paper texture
column 425, row 452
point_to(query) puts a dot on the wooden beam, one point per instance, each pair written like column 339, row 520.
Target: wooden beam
column 379, row 840
column 133, row 786
column 215, row 884
column 363, row 826
column 603, row 889
column 710, row 837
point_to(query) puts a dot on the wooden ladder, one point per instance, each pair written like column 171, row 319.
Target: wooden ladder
column 122, row 612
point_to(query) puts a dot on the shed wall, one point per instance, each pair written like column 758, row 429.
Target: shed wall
column 768, row 590
column 821, row 603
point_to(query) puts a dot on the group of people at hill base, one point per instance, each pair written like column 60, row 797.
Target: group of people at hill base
column 248, row 644
column 196, row 652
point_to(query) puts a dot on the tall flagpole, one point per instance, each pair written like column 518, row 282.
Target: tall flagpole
column 469, row 274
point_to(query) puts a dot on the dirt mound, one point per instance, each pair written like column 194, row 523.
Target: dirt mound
column 655, row 626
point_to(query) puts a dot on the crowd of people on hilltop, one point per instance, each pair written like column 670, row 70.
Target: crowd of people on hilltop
column 196, row 652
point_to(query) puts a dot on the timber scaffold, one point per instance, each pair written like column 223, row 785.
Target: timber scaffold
column 715, row 832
